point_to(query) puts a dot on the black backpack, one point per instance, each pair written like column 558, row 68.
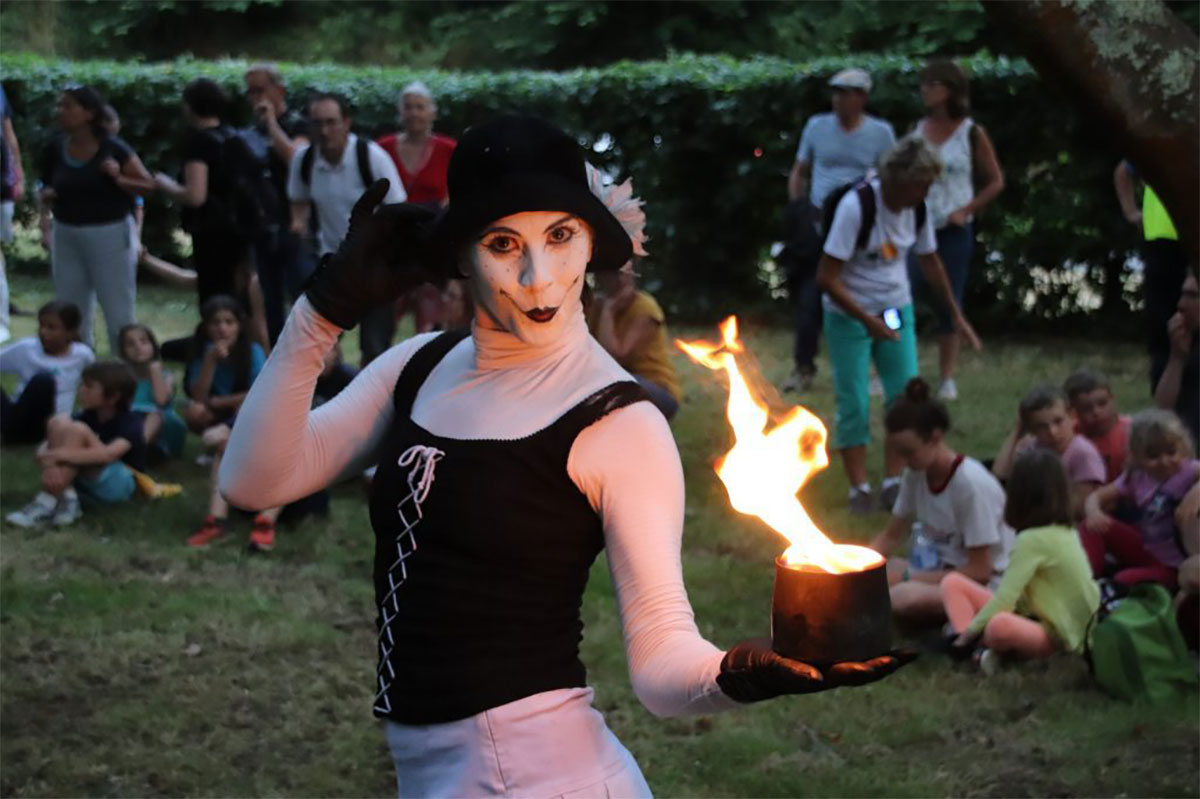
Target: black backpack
column 361, row 149
column 866, row 199
column 247, row 200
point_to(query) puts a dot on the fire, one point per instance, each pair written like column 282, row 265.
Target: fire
column 765, row 469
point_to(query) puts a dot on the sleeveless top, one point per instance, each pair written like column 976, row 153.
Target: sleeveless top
column 482, row 554
column 954, row 188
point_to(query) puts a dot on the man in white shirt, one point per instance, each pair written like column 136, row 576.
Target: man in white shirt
column 329, row 176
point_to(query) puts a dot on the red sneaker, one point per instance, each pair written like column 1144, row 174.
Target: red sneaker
column 212, row 530
column 262, row 535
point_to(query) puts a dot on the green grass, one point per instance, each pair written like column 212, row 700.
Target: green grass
column 133, row 667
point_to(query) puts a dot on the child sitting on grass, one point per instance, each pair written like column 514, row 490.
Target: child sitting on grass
column 1043, row 421
column 153, row 399
column 1046, row 598
column 48, row 369
column 1160, row 473
column 224, row 365
column 955, row 502
column 87, row 455
column 1096, row 417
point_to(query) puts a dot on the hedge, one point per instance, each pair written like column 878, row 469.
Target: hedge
column 709, row 142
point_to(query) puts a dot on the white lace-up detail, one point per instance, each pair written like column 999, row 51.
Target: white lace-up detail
column 422, row 462
column 422, row 459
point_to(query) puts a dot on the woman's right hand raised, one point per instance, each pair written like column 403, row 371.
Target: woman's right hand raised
column 384, row 254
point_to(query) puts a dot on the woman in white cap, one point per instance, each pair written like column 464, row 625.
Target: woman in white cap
column 508, row 458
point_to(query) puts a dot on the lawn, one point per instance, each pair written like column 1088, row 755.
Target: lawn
column 131, row 666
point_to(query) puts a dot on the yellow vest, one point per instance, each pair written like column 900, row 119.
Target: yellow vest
column 1156, row 222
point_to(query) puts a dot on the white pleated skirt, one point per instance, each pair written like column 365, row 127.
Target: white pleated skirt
column 552, row 744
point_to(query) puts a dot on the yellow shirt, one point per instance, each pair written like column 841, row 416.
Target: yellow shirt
column 652, row 361
column 1048, row 577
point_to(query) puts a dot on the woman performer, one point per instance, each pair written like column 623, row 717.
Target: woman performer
column 508, row 458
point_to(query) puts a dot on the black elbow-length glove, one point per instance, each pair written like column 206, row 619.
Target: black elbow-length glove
column 752, row 671
column 384, row 254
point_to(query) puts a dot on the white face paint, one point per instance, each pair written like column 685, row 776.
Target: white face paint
column 526, row 272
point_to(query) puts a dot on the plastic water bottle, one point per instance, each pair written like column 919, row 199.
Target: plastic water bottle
column 922, row 555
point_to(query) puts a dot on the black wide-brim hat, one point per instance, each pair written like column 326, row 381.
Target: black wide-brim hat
column 514, row 163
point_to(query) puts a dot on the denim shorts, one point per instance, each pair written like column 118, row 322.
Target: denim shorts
column 114, row 484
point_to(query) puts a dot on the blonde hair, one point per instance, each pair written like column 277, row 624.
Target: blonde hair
column 1155, row 431
column 910, row 160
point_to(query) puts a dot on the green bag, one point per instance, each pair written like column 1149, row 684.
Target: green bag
column 1137, row 652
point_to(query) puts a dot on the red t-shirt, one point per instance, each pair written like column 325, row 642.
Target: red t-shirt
column 428, row 185
column 1113, row 446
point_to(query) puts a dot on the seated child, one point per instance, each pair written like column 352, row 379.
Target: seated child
column 87, row 455
column 164, row 431
column 1161, row 471
column 1096, row 417
column 958, row 506
column 48, row 369
column 1043, row 421
column 224, row 364
column 1046, row 598
column 631, row 326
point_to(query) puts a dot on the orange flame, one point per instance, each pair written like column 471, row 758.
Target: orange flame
column 765, row 469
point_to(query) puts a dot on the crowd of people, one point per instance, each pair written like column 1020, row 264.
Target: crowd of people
column 532, row 412
column 262, row 206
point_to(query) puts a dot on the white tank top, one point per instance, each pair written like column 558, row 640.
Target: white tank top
column 954, row 188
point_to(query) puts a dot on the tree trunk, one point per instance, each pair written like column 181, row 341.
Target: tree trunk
column 1131, row 68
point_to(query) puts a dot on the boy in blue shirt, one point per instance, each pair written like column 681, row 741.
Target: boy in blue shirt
column 88, row 454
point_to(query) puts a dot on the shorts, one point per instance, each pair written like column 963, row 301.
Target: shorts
column 113, row 485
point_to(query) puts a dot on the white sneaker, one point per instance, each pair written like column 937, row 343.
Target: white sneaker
column 38, row 512
column 989, row 662
column 67, row 512
column 204, row 459
column 948, row 390
column 875, row 387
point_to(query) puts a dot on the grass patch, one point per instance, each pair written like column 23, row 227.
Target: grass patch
column 132, row 667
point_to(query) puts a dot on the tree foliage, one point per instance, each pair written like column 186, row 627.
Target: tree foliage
column 708, row 141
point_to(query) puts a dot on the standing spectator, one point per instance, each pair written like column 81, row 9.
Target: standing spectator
column 835, row 149
column 966, row 152
column 868, row 301
column 221, row 237
column 1178, row 387
column 283, row 262
column 331, row 174
column 220, row 248
column 422, row 158
column 1164, row 263
column 12, row 186
column 90, row 180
